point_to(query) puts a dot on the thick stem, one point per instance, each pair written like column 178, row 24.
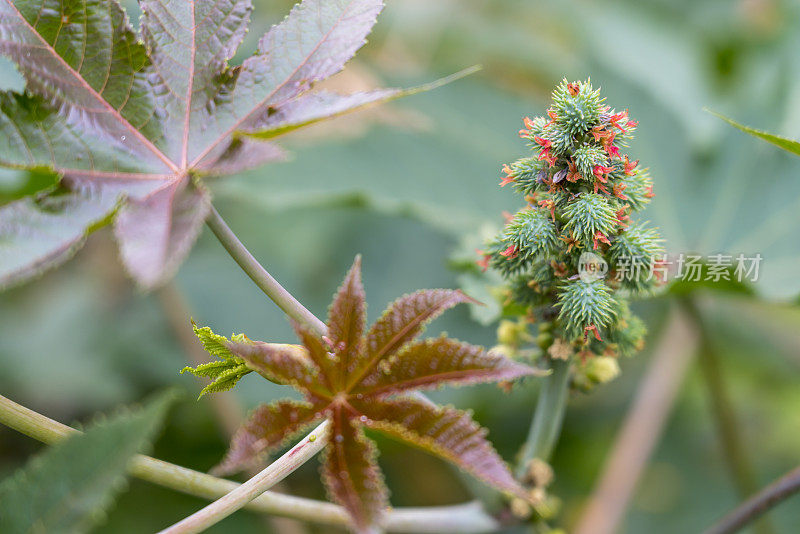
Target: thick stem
column 462, row 518
column 239, row 497
column 548, row 418
column 758, row 504
column 722, row 409
column 642, row 427
column 285, row 301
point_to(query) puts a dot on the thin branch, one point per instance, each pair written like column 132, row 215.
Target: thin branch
column 722, row 409
column 265, row 281
column 274, row 473
column 462, row 518
column 757, row 505
column 548, row 418
column 642, row 427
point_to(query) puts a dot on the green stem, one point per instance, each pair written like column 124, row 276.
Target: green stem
column 464, row 518
column 549, row 415
column 255, row 486
column 265, row 281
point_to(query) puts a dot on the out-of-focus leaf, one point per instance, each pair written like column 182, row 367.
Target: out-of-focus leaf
column 67, row 488
column 36, row 233
column 790, row 145
column 312, row 108
column 105, row 109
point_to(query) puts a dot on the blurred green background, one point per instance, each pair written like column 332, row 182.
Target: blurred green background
column 410, row 184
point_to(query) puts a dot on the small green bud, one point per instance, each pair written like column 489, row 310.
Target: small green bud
column 602, row 369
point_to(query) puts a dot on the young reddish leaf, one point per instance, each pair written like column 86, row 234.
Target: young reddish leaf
column 282, row 364
column 347, row 321
column 445, row 432
column 435, row 362
column 268, row 427
column 352, row 474
column 404, row 320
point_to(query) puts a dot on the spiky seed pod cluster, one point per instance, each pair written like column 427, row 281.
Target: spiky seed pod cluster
column 581, row 192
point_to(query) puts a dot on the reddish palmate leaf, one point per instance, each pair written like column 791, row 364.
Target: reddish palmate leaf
column 268, row 427
column 351, row 473
column 133, row 125
column 443, row 431
column 387, row 361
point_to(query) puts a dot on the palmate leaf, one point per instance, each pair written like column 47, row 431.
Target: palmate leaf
column 67, row 488
column 142, row 120
column 356, row 377
column 789, row 145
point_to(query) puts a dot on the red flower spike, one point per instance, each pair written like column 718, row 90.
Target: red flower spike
column 630, row 166
column 600, row 187
column 528, row 123
column 622, row 216
column 483, row 262
column 573, row 175
column 553, row 117
column 367, row 385
column 550, row 205
column 524, row 134
column 649, row 193
column 508, row 178
column 600, row 171
column 544, row 143
column 591, row 328
column 573, row 89
column 510, row 252
column 632, row 123
column 600, row 237
column 612, row 150
column 618, row 191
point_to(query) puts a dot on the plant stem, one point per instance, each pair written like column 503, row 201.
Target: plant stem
column 461, row 518
column 642, row 427
column 758, row 504
column 548, row 418
column 722, row 408
column 265, row 281
column 255, row 486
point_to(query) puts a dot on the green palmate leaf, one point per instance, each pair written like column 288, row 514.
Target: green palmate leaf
column 790, row 145
column 138, row 119
column 353, row 372
column 225, row 372
column 67, row 488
